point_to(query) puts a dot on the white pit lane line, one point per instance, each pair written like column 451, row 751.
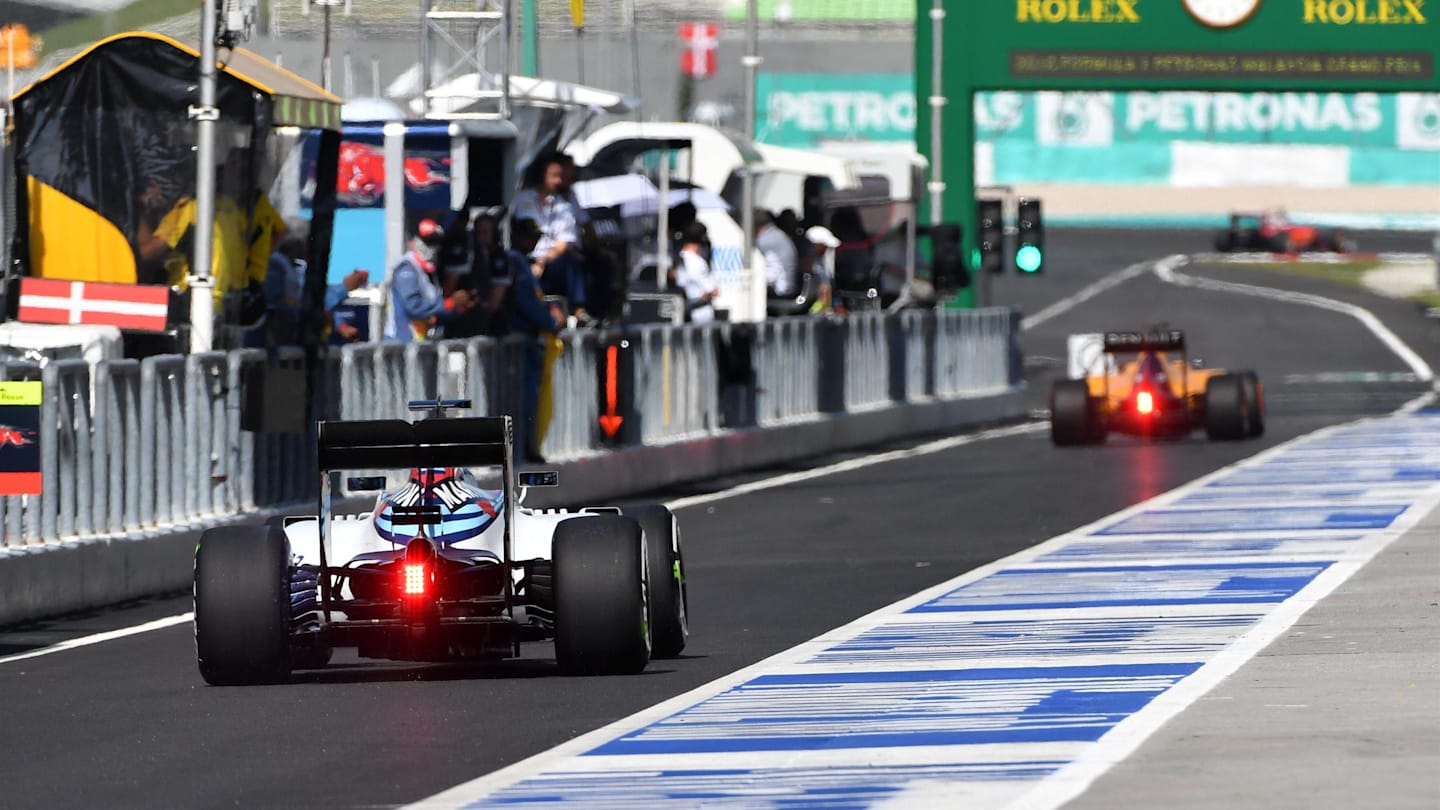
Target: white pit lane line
column 1209, row 638
column 1069, row 302
column 97, row 638
column 1168, row 271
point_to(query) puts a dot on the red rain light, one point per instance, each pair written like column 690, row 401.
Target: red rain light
column 1144, row 402
column 415, row 579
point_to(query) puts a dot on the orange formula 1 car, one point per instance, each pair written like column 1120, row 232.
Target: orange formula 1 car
column 1149, row 388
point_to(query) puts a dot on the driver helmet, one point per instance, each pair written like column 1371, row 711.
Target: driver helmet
column 466, row 510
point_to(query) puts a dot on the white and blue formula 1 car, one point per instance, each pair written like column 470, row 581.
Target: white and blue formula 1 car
column 441, row 569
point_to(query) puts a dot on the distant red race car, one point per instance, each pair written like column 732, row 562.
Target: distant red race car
column 1273, row 231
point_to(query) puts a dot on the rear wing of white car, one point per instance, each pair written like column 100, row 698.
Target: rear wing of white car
column 393, row 444
column 396, row 444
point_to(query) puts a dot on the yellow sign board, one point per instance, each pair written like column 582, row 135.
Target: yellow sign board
column 20, row 393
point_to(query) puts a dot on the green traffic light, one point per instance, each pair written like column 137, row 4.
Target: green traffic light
column 975, row 257
column 1028, row 259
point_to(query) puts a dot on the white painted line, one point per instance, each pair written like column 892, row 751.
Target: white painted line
column 98, row 638
column 1170, row 274
column 936, row 446
column 1069, row 302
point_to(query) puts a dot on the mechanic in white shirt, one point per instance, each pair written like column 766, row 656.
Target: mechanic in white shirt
column 825, row 243
column 555, row 256
column 694, row 275
column 780, row 258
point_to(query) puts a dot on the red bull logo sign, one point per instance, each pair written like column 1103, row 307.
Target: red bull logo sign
column 361, row 178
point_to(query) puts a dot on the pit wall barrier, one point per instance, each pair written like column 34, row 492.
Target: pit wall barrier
column 139, row 457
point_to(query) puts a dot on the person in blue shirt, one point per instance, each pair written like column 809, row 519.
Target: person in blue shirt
column 343, row 329
column 531, row 318
column 417, row 302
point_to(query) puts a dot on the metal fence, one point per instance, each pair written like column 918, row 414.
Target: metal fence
column 136, row 447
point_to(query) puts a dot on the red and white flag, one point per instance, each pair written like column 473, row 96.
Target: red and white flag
column 701, row 43
column 92, row 303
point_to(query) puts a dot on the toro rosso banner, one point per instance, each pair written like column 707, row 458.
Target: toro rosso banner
column 20, row 438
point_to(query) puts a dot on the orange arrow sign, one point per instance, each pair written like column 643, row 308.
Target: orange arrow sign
column 610, row 421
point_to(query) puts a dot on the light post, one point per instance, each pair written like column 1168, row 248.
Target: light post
column 202, row 300
column 751, row 62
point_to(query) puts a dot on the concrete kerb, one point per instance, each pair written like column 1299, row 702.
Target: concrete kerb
column 82, row 574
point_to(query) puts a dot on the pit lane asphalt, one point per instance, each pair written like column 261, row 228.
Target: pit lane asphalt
column 129, row 723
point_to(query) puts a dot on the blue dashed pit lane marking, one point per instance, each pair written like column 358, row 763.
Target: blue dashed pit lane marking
column 1066, row 588
column 1274, row 518
column 1251, row 497
column 822, row 711
column 1123, row 550
column 986, row 641
column 1331, row 475
column 839, row 788
column 1022, row 681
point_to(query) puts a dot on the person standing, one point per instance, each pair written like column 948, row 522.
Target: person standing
column 417, row 302
column 695, row 277
column 780, row 258
column 535, row 321
column 284, row 282
column 822, row 269
column 486, row 276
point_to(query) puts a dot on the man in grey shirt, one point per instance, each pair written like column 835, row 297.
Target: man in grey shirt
column 779, row 251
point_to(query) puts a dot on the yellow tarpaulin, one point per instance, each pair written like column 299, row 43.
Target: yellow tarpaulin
column 545, row 409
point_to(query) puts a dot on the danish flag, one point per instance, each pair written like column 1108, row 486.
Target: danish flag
column 91, row 303
column 701, row 41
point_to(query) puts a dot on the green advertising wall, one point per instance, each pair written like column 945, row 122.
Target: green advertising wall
column 1322, row 46
column 1127, row 137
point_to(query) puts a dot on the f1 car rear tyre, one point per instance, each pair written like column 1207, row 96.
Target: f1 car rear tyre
column 1255, row 398
column 669, row 605
column 1072, row 416
column 242, row 605
column 601, row 621
column 1227, row 409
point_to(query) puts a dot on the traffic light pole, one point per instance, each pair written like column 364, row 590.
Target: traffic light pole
column 936, row 186
column 979, row 280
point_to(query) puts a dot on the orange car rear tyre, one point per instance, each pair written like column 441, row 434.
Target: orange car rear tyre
column 1073, row 420
column 1227, row 408
column 1255, row 398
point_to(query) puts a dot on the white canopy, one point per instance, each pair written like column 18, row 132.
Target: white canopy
column 523, row 90
column 803, row 162
column 371, row 109
column 637, row 196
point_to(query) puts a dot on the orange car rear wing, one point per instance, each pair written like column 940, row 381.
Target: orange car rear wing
column 1167, row 340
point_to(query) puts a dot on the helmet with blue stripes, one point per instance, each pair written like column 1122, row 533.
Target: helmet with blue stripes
column 465, row 510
